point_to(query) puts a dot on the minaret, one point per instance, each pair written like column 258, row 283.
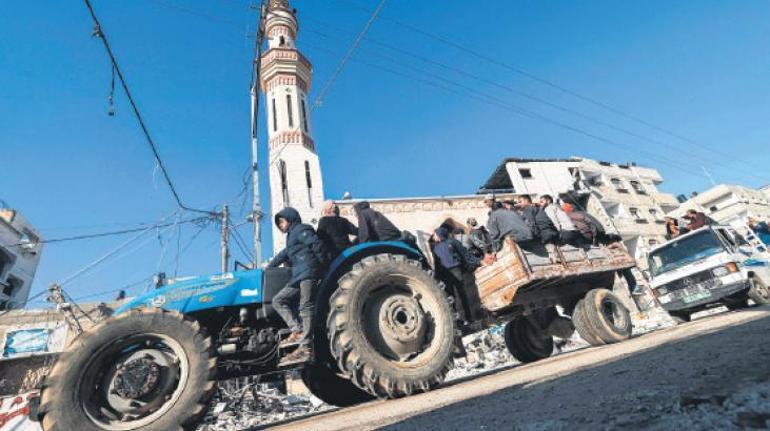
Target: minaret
column 295, row 172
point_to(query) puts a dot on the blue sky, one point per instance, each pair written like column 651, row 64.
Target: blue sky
column 387, row 128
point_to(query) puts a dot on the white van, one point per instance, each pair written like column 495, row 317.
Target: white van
column 710, row 266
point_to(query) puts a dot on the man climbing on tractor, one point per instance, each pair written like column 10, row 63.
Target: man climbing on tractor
column 305, row 254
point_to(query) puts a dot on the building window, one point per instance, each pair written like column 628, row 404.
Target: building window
column 655, row 214
column 281, row 41
column 619, row 187
column 309, row 181
column 275, row 117
column 653, row 243
column 638, row 188
column 304, row 116
column 525, row 173
column 284, row 182
column 636, row 216
column 288, row 108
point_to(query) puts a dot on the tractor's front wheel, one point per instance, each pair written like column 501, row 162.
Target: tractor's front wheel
column 143, row 370
column 391, row 326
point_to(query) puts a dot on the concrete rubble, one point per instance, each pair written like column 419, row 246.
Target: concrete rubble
column 241, row 407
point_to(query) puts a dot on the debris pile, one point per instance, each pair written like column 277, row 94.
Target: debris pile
column 240, row 407
column 485, row 351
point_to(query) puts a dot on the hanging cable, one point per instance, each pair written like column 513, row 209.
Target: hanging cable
column 112, row 233
column 356, row 42
column 111, row 106
column 110, row 253
column 99, row 32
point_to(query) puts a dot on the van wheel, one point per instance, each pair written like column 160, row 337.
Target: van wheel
column 759, row 292
column 391, row 326
column 606, row 316
column 525, row 342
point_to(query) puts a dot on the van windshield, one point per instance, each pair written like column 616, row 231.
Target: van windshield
column 679, row 253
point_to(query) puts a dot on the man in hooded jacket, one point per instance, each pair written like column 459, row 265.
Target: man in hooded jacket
column 373, row 226
column 305, row 254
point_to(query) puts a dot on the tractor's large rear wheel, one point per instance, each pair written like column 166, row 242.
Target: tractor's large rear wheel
column 391, row 326
column 143, row 370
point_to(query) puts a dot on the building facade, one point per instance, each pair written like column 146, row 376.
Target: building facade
column 625, row 197
column 286, row 75
column 20, row 250
column 729, row 204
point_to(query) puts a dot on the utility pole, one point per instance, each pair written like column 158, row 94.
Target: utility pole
column 225, row 239
column 256, row 208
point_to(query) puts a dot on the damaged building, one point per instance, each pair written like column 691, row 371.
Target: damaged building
column 624, row 197
column 20, row 250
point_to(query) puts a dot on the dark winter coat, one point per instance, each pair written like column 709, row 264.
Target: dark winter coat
column 540, row 224
column 373, row 226
column 304, row 251
column 452, row 254
column 335, row 233
column 504, row 223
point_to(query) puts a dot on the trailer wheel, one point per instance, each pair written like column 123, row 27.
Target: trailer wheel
column 759, row 292
column 391, row 326
column 583, row 327
column 146, row 369
column 526, row 342
column 331, row 388
column 607, row 316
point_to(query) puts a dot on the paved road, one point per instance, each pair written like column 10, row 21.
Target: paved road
column 707, row 374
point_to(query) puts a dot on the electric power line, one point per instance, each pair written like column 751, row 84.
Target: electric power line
column 99, row 32
column 113, row 233
column 546, row 82
column 356, row 42
column 529, row 96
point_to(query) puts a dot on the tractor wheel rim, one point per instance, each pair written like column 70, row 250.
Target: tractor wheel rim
column 132, row 381
column 399, row 319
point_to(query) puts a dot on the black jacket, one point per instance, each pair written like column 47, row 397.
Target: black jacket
column 540, row 224
column 373, row 226
column 335, row 233
column 304, row 252
column 452, row 254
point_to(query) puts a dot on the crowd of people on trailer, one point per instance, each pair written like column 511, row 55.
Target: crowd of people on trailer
column 458, row 250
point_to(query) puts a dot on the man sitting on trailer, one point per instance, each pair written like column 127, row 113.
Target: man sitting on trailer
column 306, row 256
column 502, row 223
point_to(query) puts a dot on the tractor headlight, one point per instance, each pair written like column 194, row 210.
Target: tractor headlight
column 720, row 271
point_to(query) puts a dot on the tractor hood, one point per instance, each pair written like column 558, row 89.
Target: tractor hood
column 195, row 293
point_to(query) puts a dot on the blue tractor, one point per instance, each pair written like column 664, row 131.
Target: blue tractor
column 385, row 327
